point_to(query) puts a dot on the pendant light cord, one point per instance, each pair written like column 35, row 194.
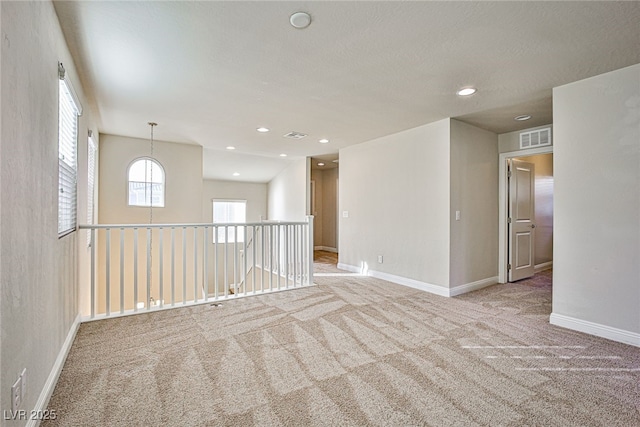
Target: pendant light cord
column 151, row 300
column 151, row 124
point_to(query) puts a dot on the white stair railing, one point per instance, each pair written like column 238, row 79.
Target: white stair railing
column 142, row 267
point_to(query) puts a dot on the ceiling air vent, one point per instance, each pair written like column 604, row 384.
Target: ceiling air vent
column 295, row 135
column 535, row 138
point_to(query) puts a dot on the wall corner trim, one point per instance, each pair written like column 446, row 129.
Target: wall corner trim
column 52, row 380
column 596, row 329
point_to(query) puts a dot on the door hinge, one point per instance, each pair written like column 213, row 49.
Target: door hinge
column 508, row 174
column 508, row 266
column 508, row 220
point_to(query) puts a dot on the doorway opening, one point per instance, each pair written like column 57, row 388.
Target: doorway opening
column 540, row 229
column 324, row 208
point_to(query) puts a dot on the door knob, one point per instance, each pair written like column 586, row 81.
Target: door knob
column 533, row 226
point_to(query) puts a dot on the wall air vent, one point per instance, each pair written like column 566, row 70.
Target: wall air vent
column 535, row 138
column 295, row 135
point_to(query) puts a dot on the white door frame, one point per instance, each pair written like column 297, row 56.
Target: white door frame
column 503, row 190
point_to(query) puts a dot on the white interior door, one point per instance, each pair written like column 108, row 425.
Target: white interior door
column 521, row 219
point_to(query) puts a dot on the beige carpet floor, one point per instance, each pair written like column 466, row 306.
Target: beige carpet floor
column 352, row 351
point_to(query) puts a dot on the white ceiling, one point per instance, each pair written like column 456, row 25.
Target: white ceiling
column 210, row 73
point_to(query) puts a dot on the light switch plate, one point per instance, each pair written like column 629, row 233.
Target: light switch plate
column 16, row 394
column 23, row 386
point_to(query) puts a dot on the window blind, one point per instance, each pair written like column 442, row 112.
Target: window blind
column 68, row 111
column 91, row 179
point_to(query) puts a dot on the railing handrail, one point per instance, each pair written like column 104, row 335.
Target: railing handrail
column 182, row 256
column 179, row 225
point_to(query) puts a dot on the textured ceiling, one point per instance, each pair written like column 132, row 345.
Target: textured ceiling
column 210, row 73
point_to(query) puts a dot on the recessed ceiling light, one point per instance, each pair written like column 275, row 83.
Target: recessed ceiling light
column 522, row 118
column 231, row 147
column 323, row 141
column 262, row 129
column 320, row 164
column 236, row 174
column 466, row 91
column 283, row 155
column 300, row 20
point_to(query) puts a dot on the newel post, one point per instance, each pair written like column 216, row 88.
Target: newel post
column 311, row 246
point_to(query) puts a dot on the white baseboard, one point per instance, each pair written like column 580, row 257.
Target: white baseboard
column 351, row 268
column 52, row 380
column 473, row 286
column 544, row 266
column 423, row 286
column 326, row 249
column 614, row 334
column 416, row 284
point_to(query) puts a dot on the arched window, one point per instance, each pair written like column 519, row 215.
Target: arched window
column 146, row 183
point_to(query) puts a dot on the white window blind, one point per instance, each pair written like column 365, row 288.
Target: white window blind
column 68, row 112
column 229, row 211
column 91, row 180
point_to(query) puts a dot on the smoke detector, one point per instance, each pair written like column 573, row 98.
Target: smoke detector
column 300, row 20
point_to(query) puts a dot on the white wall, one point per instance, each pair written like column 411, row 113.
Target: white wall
column 38, row 271
column 288, row 192
column 396, row 191
column 474, row 193
column 182, row 165
column 402, row 192
column 596, row 276
column 254, row 193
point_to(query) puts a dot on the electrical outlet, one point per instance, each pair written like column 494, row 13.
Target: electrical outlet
column 380, row 259
column 16, row 394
